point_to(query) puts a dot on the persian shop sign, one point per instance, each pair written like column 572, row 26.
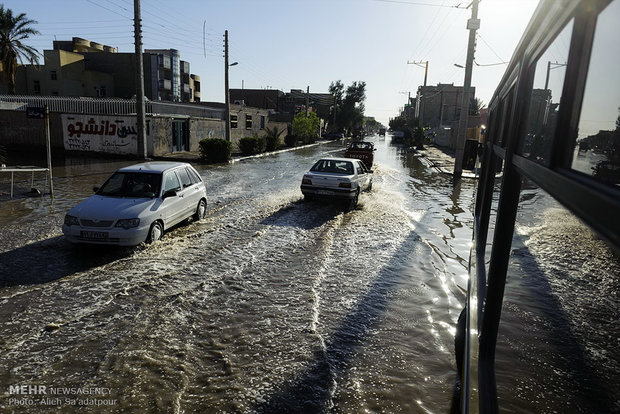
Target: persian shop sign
column 111, row 134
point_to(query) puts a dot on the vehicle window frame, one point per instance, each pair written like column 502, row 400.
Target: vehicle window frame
column 180, row 172
column 165, row 179
column 193, row 174
column 591, row 201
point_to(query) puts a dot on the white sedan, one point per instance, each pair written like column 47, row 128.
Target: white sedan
column 137, row 204
column 337, row 178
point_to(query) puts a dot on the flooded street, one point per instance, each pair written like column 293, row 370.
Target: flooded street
column 272, row 304
column 269, row 304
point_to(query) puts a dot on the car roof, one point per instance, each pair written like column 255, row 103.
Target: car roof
column 153, row 166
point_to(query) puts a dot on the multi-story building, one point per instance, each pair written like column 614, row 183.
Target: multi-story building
column 173, row 78
column 440, row 105
column 83, row 68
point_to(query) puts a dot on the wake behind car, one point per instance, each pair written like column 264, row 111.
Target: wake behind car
column 137, row 204
column 337, row 178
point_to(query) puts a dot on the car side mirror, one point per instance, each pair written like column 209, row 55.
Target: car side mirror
column 168, row 194
column 95, row 189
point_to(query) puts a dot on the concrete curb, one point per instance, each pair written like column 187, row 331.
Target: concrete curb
column 266, row 154
column 195, row 157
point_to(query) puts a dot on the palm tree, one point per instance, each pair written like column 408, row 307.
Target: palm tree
column 13, row 31
column 272, row 135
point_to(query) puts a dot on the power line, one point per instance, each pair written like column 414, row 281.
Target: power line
column 108, row 9
column 490, row 48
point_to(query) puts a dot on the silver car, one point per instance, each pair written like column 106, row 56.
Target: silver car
column 337, row 178
column 137, row 204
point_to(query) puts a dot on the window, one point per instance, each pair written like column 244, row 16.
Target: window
column 53, row 75
column 185, row 180
column 233, row 121
column 545, row 99
column 193, row 176
column 262, row 122
column 359, row 169
column 597, row 152
column 37, row 87
column 248, row 121
column 333, row 166
column 172, row 182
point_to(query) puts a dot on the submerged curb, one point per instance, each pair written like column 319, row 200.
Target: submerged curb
column 265, row 154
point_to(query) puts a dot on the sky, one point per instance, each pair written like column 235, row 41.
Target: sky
column 295, row 44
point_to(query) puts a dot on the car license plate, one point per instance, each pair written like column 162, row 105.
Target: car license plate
column 94, row 235
column 324, row 192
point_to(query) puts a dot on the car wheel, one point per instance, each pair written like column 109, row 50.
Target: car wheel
column 307, row 197
column 155, row 232
column 201, row 210
column 353, row 202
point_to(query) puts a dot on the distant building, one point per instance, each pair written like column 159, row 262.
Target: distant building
column 257, row 98
column 283, row 105
column 83, row 68
column 440, row 105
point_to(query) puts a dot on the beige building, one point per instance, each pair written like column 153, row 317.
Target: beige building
column 83, row 68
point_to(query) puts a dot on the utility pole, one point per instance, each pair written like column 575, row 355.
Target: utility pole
column 555, row 66
column 307, row 100
column 49, row 150
column 425, row 66
column 473, row 24
column 140, row 110
column 335, row 107
column 227, row 94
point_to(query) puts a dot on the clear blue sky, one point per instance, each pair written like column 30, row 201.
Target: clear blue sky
column 285, row 44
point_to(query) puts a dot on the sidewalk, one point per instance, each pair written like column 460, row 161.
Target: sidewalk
column 188, row 156
column 442, row 159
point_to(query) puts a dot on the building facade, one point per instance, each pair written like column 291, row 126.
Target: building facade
column 440, row 105
column 283, row 105
column 83, row 68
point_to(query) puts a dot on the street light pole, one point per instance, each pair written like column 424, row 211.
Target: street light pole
column 226, row 92
column 473, row 24
column 548, row 94
column 425, row 62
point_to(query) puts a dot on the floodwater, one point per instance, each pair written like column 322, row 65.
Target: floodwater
column 271, row 304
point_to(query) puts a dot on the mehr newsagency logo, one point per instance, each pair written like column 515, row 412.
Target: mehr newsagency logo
column 38, row 395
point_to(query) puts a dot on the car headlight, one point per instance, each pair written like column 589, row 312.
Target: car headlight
column 71, row 220
column 127, row 223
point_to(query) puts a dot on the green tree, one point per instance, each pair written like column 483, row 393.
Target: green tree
column 371, row 123
column 272, row 135
column 398, row 124
column 349, row 105
column 305, row 127
column 13, row 31
column 475, row 105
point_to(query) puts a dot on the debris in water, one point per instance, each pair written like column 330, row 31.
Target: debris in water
column 51, row 327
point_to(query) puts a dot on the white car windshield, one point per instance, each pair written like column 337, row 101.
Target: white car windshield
column 333, row 166
column 132, row 184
